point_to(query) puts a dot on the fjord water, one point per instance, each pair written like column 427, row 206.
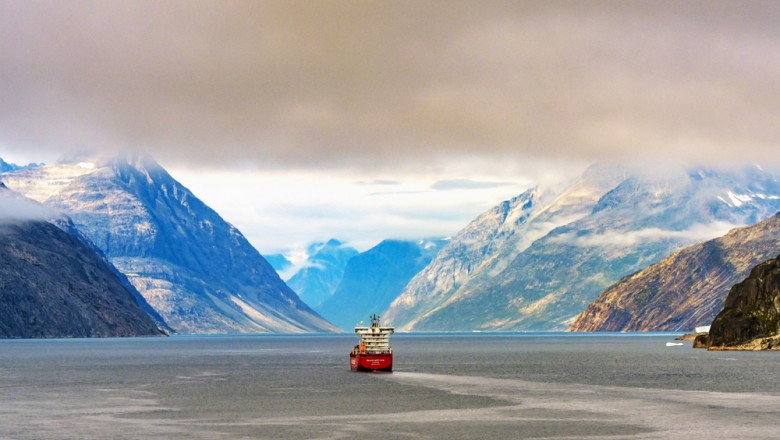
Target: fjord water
column 445, row 386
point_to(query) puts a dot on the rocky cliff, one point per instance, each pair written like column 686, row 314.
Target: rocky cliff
column 198, row 271
column 52, row 286
column 686, row 289
column 750, row 318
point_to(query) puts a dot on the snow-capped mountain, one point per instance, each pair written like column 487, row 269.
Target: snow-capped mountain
column 537, row 261
column 374, row 278
column 489, row 243
column 321, row 273
column 195, row 269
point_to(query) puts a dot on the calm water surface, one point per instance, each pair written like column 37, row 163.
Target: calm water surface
column 469, row 386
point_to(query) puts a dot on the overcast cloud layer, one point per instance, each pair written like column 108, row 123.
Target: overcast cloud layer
column 373, row 84
column 369, row 119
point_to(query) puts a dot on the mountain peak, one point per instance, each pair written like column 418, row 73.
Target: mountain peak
column 196, row 269
column 97, row 158
column 542, row 268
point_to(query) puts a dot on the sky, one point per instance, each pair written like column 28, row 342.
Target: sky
column 361, row 120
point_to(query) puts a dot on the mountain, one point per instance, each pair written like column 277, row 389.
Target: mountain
column 318, row 278
column 490, row 242
column 194, row 268
column 535, row 262
column 374, row 278
column 686, row 289
column 278, row 261
column 750, row 319
column 52, row 285
column 5, row 166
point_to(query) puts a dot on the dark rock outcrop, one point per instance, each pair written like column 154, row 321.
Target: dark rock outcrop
column 750, row 318
column 52, row 285
column 701, row 340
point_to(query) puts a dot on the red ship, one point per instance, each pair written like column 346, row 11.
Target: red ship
column 374, row 352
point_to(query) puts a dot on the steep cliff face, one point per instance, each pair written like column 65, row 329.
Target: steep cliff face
column 685, row 289
column 548, row 268
column 195, row 269
column 750, row 318
column 53, row 285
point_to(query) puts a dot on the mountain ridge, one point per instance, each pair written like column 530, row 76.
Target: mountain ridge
column 687, row 288
column 625, row 221
column 374, row 278
column 194, row 268
column 318, row 279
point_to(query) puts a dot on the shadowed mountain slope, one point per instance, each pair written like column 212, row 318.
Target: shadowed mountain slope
column 52, row 285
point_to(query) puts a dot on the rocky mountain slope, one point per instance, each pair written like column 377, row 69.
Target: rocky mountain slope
column 374, row 278
column 489, row 243
column 534, row 263
column 53, row 285
column 686, row 289
column 195, row 269
column 319, row 277
column 750, row 319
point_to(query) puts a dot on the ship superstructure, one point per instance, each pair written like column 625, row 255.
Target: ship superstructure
column 374, row 352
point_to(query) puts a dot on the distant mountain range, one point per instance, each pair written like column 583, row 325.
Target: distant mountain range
column 5, row 166
column 320, row 275
column 536, row 261
column 374, row 278
column 686, row 289
column 195, row 269
column 52, row 285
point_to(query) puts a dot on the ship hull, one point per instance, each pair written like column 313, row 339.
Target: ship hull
column 371, row 362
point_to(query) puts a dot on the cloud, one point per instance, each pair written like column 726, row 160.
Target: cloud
column 278, row 211
column 15, row 208
column 697, row 232
column 383, row 182
column 456, row 184
column 458, row 92
column 372, row 84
